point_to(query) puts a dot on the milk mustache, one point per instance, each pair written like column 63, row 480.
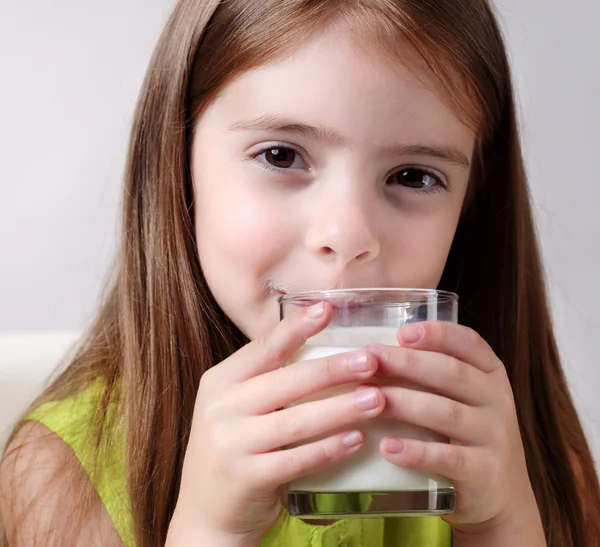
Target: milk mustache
column 367, row 470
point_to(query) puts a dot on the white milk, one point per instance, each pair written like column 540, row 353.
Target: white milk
column 367, row 470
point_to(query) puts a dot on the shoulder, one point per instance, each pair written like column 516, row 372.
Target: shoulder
column 46, row 497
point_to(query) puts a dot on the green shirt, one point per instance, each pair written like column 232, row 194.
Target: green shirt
column 72, row 420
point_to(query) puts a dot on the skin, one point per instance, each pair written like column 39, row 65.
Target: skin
column 337, row 214
column 338, row 217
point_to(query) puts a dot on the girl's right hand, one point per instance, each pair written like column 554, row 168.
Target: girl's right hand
column 236, row 462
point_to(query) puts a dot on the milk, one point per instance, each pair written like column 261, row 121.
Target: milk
column 367, row 470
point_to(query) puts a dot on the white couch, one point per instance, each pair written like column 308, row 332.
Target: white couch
column 27, row 359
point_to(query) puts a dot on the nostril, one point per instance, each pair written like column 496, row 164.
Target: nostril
column 363, row 256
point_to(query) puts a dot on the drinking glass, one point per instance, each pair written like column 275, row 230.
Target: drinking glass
column 366, row 484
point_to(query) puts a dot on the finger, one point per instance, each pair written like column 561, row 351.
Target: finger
column 455, row 462
column 283, row 466
column 308, row 420
column 439, row 372
column 273, row 350
column 458, row 341
column 450, row 418
column 287, row 385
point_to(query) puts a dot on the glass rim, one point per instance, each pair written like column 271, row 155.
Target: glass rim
column 413, row 295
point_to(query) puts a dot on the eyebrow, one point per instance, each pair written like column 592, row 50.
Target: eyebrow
column 332, row 138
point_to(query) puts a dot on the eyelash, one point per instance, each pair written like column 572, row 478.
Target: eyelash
column 267, row 166
column 441, row 185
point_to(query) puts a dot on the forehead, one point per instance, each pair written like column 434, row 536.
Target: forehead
column 366, row 96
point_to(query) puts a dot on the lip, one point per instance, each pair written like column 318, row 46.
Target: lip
column 277, row 290
column 280, row 289
column 282, row 292
column 335, row 304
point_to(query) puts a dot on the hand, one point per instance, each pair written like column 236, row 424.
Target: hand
column 234, row 466
column 469, row 400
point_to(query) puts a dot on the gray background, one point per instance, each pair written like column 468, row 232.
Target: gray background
column 70, row 71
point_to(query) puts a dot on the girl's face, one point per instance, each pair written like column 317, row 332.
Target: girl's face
column 330, row 168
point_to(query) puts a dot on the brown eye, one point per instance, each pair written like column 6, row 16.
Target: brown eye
column 417, row 179
column 283, row 158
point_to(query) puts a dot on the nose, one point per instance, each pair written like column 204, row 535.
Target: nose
column 342, row 230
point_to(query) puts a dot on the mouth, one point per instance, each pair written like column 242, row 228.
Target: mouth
column 277, row 289
column 280, row 289
column 311, row 296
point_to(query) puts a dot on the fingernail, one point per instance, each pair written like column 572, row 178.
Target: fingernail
column 352, row 439
column 366, row 399
column 359, row 362
column 412, row 333
column 393, row 445
column 316, row 311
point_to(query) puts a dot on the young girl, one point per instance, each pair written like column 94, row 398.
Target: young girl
column 289, row 145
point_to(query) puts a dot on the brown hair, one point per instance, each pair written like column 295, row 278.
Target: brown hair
column 159, row 328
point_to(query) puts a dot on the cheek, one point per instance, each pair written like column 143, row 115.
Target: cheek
column 238, row 227
column 420, row 253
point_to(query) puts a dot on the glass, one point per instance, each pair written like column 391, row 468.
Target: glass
column 366, row 484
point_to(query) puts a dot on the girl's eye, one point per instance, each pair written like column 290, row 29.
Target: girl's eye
column 281, row 158
column 418, row 179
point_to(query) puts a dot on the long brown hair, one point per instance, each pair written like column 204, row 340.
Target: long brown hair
column 159, row 327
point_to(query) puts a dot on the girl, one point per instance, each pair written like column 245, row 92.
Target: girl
column 289, row 145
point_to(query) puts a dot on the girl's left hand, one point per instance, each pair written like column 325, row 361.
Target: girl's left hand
column 469, row 400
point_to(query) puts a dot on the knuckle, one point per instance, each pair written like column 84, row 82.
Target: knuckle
column 273, row 351
column 291, row 426
column 458, row 372
column 452, row 458
column 421, row 455
column 296, row 340
column 207, row 381
column 329, row 454
column 451, row 413
column 288, row 376
column 439, row 331
column 507, row 400
column 223, row 443
column 472, row 337
column 398, row 403
column 296, row 464
column 213, row 410
column 330, row 369
column 407, row 360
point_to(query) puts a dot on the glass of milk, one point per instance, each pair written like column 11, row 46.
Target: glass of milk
column 366, row 484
